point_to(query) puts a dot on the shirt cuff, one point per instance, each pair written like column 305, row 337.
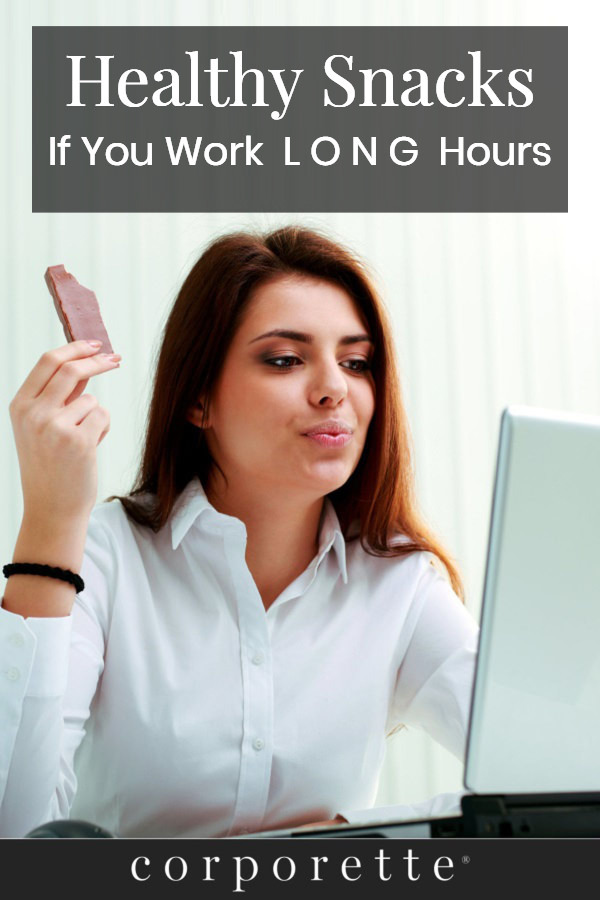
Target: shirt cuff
column 36, row 649
column 434, row 807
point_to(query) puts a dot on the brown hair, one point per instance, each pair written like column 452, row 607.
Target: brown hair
column 378, row 500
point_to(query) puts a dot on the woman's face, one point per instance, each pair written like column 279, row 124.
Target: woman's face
column 291, row 408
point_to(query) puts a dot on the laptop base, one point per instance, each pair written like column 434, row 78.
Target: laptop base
column 493, row 816
column 531, row 815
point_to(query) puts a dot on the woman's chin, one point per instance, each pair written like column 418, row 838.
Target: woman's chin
column 329, row 476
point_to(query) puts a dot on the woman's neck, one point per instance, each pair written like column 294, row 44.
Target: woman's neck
column 282, row 532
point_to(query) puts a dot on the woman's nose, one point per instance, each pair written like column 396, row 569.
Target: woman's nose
column 329, row 386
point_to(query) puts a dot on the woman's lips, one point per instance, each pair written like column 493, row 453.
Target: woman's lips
column 333, row 433
column 330, row 440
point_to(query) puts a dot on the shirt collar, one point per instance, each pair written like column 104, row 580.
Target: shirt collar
column 192, row 502
column 330, row 535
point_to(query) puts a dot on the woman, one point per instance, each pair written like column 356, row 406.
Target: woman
column 262, row 609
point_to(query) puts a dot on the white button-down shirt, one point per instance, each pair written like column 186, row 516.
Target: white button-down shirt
column 170, row 703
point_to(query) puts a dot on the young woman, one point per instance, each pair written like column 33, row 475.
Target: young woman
column 265, row 606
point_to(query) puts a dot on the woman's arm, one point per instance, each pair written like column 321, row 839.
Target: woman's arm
column 47, row 680
column 53, row 543
column 57, row 430
column 433, row 685
column 51, row 669
column 435, row 676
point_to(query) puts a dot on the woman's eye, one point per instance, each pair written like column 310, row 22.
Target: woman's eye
column 357, row 365
column 289, row 362
column 283, row 362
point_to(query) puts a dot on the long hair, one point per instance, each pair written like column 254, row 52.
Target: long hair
column 377, row 503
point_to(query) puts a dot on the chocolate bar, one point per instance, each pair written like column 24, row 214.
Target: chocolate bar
column 77, row 308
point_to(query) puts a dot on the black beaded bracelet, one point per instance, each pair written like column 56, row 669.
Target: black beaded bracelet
column 48, row 571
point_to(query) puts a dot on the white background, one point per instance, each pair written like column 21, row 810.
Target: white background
column 488, row 309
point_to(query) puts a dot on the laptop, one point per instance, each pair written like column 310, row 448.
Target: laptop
column 533, row 748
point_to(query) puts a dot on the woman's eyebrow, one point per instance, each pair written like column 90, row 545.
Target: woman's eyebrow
column 304, row 338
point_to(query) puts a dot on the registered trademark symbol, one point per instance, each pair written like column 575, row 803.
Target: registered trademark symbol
column 466, row 859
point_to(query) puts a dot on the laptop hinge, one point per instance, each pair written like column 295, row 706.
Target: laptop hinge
column 531, row 815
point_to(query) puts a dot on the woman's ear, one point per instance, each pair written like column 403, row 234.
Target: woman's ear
column 196, row 415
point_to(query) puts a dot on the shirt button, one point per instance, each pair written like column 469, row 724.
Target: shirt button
column 258, row 743
column 258, row 658
column 13, row 674
column 17, row 640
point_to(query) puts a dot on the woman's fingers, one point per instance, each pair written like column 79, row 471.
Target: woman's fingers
column 67, row 377
column 75, row 412
column 78, row 391
column 85, row 410
column 57, row 429
column 96, row 425
column 50, row 362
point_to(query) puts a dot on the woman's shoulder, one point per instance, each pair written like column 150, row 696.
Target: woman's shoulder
column 107, row 515
column 112, row 552
column 109, row 522
column 400, row 564
column 399, row 587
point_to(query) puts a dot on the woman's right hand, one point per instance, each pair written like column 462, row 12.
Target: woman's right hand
column 57, row 429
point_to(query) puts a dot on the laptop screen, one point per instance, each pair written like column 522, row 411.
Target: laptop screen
column 535, row 718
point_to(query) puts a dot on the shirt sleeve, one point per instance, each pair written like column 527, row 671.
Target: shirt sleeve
column 433, row 685
column 435, row 678
column 49, row 671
